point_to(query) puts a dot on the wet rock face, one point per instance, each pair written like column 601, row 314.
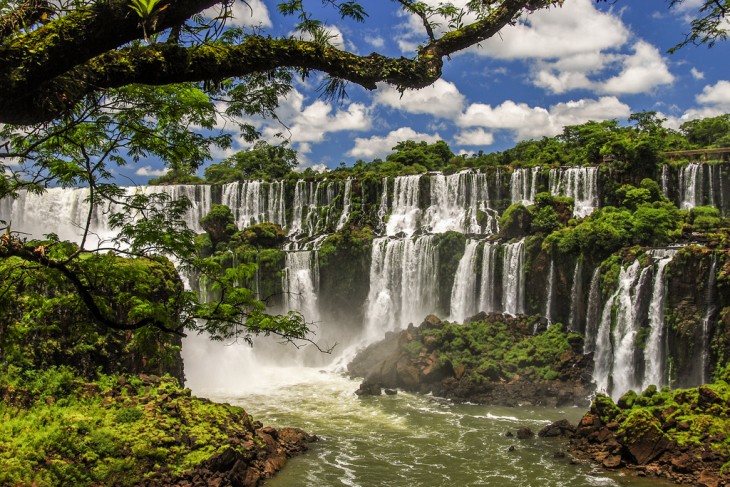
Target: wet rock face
column 422, row 359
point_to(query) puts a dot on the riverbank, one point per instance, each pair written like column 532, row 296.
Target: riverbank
column 57, row 429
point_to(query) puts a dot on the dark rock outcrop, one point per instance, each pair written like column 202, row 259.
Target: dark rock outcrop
column 642, row 434
column 427, row 359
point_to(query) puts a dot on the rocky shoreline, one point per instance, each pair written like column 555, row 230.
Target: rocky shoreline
column 682, row 436
column 457, row 362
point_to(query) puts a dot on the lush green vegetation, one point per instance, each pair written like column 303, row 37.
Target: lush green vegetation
column 494, row 349
column 59, row 429
column 697, row 417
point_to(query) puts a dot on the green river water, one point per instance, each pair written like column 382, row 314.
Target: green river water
column 407, row 439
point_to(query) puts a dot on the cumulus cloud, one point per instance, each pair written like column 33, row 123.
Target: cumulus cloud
column 576, row 28
column 380, row 146
column 697, row 74
column 642, row 71
column 441, row 99
column 717, row 94
column 531, row 122
column 310, row 123
column 376, row 41
column 149, row 171
column 479, row 137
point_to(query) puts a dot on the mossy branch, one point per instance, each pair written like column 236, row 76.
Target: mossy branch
column 80, row 54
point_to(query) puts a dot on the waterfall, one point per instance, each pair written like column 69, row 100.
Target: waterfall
column 579, row 183
column 513, row 279
column 64, row 211
column 653, row 350
column 665, row 179
column 403, row 284
column 456, row 201
column 312, row 208
column 300, row 283
column 576, row 295
column 549, row 299
column 254, row 202
column 593, row 311
column 614, row 351
column 405, row 214
column 487, row 291
column 463, row 292
column 707, row 319
column 690, row 186
column 346, row 202
column 523, row 185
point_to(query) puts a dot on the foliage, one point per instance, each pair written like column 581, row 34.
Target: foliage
column 117, row 430
column 502, row 349
column 515, row 221
column 697, row 417
column 646, row 217
column 44, row 321
column 709, row 27
column 219, row 224
column 262, row 161
column 42, row 83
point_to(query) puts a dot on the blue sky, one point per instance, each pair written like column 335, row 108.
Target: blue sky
column 563, row 66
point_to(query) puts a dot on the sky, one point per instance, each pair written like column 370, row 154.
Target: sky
column 563, row 66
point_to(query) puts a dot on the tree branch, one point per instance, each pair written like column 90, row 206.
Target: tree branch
column 12, row 247
column 35, row 90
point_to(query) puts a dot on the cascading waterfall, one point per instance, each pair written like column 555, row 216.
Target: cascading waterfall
column 593, row 312
column 707, row 319
column 654, row 356
column 255, row 202
column 665, row 179
column 405, row 215
column 346, row 202
column 300, row 283
column 690, row 186
column 513, row 279
column 456, row 201
column 606, row 349
column 579, row 183
column 64, row 211
column 523, row 185
column 464, row 291
column 548, row 313
column 403, row 284
column 487, row 290
column 576, row 293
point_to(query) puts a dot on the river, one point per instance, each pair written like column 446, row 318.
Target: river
column 403, row 440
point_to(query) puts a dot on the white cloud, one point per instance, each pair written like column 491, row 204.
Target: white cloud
column 576, row 28
column 717, row 95
column 252, row 13
column 375, row 41
column 377, row 146
column 149, row 171
column 320, row 168
column 642, row 71
column 478, row 137
column 441, row 99
column 314, row 121
column 531, row 122
column 696, row 73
